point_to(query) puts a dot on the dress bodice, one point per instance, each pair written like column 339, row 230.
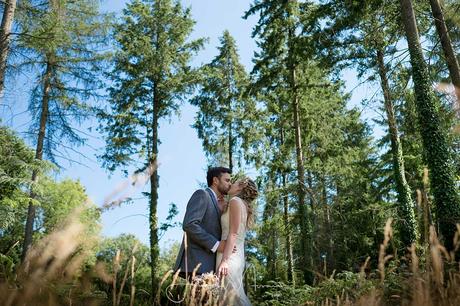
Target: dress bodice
column 225, row 221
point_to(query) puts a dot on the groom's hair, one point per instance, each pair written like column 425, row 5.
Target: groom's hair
column 216, row 172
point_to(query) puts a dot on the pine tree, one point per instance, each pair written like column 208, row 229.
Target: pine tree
column 277, row 33
column 364, row 36
column 151, row 75
column 64, row 40
column 224, row 111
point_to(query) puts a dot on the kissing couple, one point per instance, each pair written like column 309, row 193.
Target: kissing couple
column 216, row 230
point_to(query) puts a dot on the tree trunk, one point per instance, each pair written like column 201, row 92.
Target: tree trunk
column 28, row 234
column 287, row 224
column 274, row 247
column 154, row 248
column 304, row 221
column 328, row 227
column 408, row 223
column 230, row 145
column 230, row 131
column 436, row 150
column 5, row 31
column 287, row 227
column 449, row 53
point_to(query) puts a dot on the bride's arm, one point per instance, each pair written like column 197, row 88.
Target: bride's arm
column 234, row 220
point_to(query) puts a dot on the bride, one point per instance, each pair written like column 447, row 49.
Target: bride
column 238, row 215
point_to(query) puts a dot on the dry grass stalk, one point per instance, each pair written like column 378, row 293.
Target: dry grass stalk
column 165, row 277
column 383, row 258
column 437, row 263
column 133, row 287
column 53, row 262
column 362, row 270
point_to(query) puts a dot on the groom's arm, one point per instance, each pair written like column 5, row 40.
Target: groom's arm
column 192, row 225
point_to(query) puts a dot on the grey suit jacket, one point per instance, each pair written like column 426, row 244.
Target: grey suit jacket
column 203, row 229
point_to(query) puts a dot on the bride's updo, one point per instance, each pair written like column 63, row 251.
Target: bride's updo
column 248, row 195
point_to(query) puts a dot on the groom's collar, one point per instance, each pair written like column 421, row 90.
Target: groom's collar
column 213, row 192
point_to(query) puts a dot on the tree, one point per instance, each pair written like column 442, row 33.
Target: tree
column 277, row 33
column 60, row 199
column 436, row 151
column 365, row 37
column 55, row 201
column 449, row 53
column 224, row 110
column 63, row 40
column 17, row 163
column 151, row 75
column 5, row 32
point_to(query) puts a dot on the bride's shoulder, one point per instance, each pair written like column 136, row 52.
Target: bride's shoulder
column 236, row 199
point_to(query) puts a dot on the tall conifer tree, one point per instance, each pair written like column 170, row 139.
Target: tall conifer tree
column 64, row 45
column 151, row 76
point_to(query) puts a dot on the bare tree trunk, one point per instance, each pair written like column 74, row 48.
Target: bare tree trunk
column 287, row 227
column 230, row 146
column 154, row 248
column 5, row 31
column 328, row 227
column 447, row 48
column 301, row 192
column 28, row 234
column 408, row 224
column 230, row 126
column 287, row 224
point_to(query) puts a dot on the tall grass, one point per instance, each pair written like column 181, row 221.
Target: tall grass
column 53, row 272
column 430, row 280
column 57, row 271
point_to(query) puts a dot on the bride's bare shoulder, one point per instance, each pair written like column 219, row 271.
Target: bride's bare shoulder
column 236, row 199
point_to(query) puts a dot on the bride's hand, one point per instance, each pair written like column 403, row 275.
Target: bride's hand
column 223, row 268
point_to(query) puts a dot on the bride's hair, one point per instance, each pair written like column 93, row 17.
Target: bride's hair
column 248, row 195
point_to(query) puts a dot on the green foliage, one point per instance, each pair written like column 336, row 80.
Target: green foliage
column 16, row 165
column 62, row 45
column 226, row 116
column 6, row 268
column 128, row 246
column 367, row 37
column 346, row 285
column 61, row 199
column 151, row 75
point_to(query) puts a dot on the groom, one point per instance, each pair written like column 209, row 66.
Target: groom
column 202, row 225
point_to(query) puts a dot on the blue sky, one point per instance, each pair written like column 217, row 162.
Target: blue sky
column 182, row 160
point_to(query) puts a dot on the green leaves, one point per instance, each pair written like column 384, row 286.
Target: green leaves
column 62, row 43
column 151, row 76
column 224, row 120
column 17, row 162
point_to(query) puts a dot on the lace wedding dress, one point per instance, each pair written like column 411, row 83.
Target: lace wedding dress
column 233, row 281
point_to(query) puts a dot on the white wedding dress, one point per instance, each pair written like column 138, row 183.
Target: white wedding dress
column 233, row 281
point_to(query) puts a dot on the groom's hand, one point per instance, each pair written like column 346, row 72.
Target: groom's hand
column 221, row 247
